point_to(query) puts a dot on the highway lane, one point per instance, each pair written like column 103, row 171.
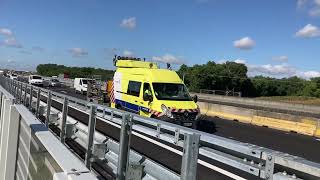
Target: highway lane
column 292, row 143
column 158, row 154
column 288, row 142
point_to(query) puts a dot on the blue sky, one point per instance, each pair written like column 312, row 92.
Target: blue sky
column 272, row 37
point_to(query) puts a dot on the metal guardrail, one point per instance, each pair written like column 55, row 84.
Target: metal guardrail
column 28, row 150
column 254, row 160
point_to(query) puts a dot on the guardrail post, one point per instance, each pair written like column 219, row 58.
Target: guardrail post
column 48, row 109
column 190, row 156
column 124, row 149
column 1, row 98
column 25, row 95
column 269, row 167
column 20, row 93
column 91, row 129
column 14, row 88
column 31, row 96
column 38, row 102
column 64, row 120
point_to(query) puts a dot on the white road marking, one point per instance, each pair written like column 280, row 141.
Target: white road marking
column 210, row 166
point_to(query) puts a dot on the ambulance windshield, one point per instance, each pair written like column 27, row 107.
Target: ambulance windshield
column 171, row 91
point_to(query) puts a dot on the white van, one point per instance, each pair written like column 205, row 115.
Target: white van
column 81, row 84
column 13, row 76
column 35, row 80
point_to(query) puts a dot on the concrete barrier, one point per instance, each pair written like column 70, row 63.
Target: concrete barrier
column 277, row 116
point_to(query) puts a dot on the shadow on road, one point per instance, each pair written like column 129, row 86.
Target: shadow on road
column 207, row 125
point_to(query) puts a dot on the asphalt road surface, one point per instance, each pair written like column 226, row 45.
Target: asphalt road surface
column 291, row 143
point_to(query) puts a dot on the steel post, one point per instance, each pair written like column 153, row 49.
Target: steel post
column 31, row 96
column 64, row 120
column 124, row 149
column 1, row 99
column 38, row 102
column 190, row 156
column 269, row 167
column 20, row 93
column 48, row 109
column 91, row 130
column 25, row 95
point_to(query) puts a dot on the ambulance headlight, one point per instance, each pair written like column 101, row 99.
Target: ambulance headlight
column 166, row 111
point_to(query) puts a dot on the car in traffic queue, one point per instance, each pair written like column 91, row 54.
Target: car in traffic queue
column 35, row 80
column 143, row 88
column 54, row 83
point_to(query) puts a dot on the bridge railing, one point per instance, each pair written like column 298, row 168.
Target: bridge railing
column 251, row 159
column 28, row 150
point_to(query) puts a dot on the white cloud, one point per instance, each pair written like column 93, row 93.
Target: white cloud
column 11, row 42
column 309, row 31
column 317, row 2
column 301, row 3
column 244, row 43
column 308, row 74
column 282, row 70
column 6, row 32
column 240, row 61
column 129, row 23
column 168, row 58
column 127, row 53
column 280, row 58
column 315, row 12
column 78, row 52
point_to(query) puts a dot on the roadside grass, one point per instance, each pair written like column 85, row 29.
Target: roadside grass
column 293, row 99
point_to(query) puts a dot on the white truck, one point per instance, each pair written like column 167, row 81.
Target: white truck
column 35, row 80
column 81, row 85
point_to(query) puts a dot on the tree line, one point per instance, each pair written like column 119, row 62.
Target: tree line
column 73, row 72
column 228, row 76
column 232, row 76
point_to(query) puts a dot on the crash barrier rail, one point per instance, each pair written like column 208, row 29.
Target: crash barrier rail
column 28, row 150
column 220, row 92
column 251, row 159
column 289, row 107
column 303, row 119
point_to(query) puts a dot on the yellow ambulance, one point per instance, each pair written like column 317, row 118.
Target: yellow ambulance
column 143, row 88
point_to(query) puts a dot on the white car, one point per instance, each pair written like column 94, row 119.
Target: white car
column 13, row 76
column 55, row 83
column 81, row 84
column 35, row 80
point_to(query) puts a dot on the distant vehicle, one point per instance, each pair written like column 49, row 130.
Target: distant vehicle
column 13, row 76
column 81, row 85
column 35, row 80
column 55, row 83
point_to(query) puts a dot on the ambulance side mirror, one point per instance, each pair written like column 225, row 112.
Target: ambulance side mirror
column 195, row 98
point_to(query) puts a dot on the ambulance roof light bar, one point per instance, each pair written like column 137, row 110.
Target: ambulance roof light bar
column 116, row 58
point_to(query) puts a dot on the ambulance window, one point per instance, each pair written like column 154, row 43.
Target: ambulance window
column 134, row 88
column 147, row 89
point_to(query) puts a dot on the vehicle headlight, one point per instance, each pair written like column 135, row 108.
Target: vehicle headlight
column 166, row 111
